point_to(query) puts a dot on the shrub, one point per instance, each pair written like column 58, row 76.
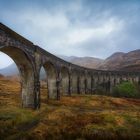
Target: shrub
column 126, row 89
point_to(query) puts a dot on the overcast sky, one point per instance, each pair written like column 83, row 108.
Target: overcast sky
column 94, row 28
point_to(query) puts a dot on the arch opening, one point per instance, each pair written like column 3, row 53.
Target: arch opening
column 43, row 86
column 10, row 85
column 26, row 74
column 52, row 85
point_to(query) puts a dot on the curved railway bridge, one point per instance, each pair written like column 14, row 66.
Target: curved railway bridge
column 62, row 77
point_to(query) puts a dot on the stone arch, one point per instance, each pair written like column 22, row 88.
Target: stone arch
column 26, row 70
column 52, row 81
column 65, row 81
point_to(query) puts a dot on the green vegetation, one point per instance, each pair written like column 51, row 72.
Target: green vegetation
column 126, row 89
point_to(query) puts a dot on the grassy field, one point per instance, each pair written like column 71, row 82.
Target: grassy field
column 77, row 117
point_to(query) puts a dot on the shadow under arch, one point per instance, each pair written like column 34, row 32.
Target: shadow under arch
column 51, row 76
column 64, row 81
column 26, row 73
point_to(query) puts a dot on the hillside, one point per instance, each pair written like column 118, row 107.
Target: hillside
column 122, row 61
column 89, row 62
column 118, row 61
column 83, row 117
column 10, row 70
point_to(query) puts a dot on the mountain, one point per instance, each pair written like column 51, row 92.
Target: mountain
column 118, row 61
column 10, row 70
column 122, row 61
column 89, row 62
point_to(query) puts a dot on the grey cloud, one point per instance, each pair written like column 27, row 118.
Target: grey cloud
column 52, row 25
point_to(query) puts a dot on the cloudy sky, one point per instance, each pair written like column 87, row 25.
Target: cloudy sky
column 95, row 28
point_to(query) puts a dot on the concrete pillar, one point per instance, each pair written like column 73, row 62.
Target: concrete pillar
column 104, row 81
column 65, row 81
column 100, row 78
column 70, row 84
column 74, row 82
column 82, row 83
column 107, row 82
column 96, row 79
column 101, row 81
column 111, row 81
column 78, row 84
column 88, row 83
column 30, row 89
column 94, row 82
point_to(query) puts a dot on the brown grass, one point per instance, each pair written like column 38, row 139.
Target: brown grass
column 80, row 117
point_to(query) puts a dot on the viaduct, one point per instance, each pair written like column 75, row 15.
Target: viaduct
column 62, row 77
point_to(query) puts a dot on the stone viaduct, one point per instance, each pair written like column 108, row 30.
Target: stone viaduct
column 62, row 77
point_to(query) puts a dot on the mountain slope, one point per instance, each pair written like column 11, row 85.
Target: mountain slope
column 118, row 61
column 89, row 62
column 122, row 61
column 10, row 70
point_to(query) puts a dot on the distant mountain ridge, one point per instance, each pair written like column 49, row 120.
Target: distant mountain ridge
column 89, row 62
column 122, row 61
column 10, row 70
column 118, row 61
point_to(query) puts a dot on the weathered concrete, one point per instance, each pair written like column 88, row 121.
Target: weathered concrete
column 63, row 78
column 74, row 82
column 65, row 81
